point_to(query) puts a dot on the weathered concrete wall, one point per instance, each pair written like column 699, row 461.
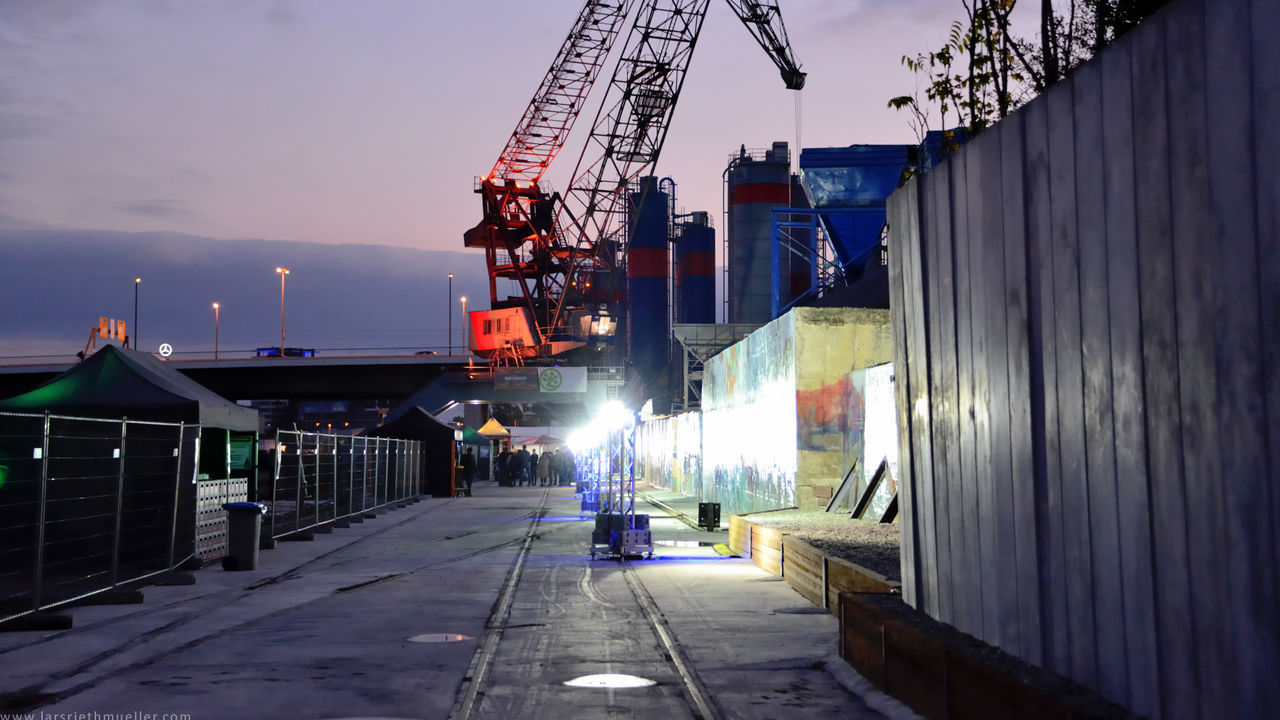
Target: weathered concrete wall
column 749, row 420
column 832, row 344
column 784, row 414
column 669, row 454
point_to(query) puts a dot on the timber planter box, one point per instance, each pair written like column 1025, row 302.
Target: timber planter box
column 942, row 673
column 813, row 573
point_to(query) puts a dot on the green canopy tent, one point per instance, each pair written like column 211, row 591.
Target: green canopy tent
column 117, row 383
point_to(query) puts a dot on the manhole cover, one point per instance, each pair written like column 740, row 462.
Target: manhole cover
column 440, row 638
column 609, row 680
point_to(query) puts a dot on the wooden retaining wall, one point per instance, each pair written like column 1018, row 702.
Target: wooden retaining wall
column 1086, row 314
column 815, row 575
column 942, row 674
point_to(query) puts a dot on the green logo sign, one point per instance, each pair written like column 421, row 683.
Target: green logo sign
column 550, row 379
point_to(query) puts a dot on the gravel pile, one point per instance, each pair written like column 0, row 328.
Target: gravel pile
column 870, row 544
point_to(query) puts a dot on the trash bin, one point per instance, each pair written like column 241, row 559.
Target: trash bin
column 244, row 524
column 709, row 516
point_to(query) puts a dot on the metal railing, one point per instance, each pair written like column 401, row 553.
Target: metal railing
column 89, row 504
column 320, row 478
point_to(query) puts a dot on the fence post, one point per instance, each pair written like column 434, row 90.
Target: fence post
column 44, row 501
column 115, row 545
column 297, row 508
column 364, row 477
column 275, row 484
column 178, row 453
column 335, row 477
column 351, row 480
column 319, row 474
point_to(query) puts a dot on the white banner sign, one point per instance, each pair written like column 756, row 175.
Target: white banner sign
column 562, row 379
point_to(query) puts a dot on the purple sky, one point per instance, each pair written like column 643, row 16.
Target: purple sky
column 339, row 121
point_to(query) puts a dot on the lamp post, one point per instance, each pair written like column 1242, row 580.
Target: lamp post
column 136, row 282
column 450, row 315
column 216, row 313
column 466, row 334
column 283, row 271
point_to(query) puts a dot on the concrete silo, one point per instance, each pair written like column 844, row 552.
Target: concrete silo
column 759, row 181
column 695, row 271
column 648, row 303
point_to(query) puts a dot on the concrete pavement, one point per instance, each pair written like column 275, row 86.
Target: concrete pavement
column 464, row 607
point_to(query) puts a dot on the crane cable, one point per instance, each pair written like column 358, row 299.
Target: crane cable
column 799, row 100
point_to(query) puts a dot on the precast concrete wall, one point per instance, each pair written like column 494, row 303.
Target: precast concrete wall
column 1086, row 317
column 834, row 348
column 749, row 420
column 785, row 414
column 669, row 455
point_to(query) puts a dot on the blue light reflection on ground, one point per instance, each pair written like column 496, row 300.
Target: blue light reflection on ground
column 564, row 518
column 672, row 559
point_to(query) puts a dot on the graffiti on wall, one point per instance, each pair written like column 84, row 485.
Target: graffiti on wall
column 669, row 454
column 854, row 418
column 749, row 421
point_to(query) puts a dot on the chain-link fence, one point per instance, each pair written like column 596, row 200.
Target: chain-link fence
column 89, row 504
column 320, row 478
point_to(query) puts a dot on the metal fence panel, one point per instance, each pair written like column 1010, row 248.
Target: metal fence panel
column 87, row 504
column 323, row 477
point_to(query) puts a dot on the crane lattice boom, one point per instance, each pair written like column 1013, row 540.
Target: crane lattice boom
column 569, row 255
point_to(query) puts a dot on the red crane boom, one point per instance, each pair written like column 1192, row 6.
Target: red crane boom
column 545, row 246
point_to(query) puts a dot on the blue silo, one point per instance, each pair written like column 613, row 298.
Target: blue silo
column 648, row 302
column 695, row 272
column 759, row 181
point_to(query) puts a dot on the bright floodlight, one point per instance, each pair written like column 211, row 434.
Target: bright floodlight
column 585, row 439
column 614, row 415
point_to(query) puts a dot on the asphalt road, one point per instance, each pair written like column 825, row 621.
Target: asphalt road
column 480, row 607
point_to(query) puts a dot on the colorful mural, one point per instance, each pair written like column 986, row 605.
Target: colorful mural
column 764, row 440
column 749, row 420
column 669, row 454
column 853, row 418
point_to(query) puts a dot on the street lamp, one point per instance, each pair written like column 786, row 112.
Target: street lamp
column 283, row 271
column 136, row 282
column 466, row 335
column 216, row 306
column 450, row 315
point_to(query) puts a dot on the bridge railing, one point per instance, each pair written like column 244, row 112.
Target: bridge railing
column 88, row 505
column 321, row 478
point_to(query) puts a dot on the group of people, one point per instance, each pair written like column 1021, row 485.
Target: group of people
column 552, row 467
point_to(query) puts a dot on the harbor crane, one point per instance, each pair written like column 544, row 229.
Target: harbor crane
column 565, row 254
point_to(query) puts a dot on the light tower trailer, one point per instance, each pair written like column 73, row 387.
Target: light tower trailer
column 619, row 530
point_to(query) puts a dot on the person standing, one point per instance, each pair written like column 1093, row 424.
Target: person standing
column 468, row 464
column 544, row 469
column 521, row 470
column 505, row 460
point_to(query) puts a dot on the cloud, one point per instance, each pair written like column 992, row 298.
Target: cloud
column 165, row 209
column 283, row 15
column 842, row 18
column 20, row 125
column 26, row 14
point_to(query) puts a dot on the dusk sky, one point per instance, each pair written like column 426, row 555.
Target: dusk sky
column 341, row 121
column 349, row 122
